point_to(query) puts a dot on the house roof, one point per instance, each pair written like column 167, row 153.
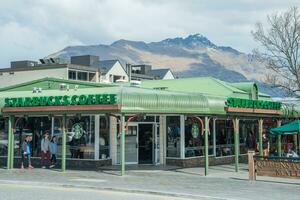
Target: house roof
column 205, row 85
column 189, row 95
column 106, row 65
column 52, row 83
column 159, row 72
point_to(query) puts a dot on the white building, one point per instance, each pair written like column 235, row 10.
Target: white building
column 84, row 68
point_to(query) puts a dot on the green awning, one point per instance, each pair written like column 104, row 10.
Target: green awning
column 287, row 129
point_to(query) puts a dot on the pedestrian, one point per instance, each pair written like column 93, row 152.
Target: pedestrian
column 45, row 148
column 26, row 151
column 265, row 145
column 250, row 141
column 53, row 151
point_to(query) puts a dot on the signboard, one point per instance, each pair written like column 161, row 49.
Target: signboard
column 255, row 104
column 78, row 131
column 195, row 130
column 66, row 100
column 278, row 168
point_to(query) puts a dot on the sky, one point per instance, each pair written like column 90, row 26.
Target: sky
column 32, row 29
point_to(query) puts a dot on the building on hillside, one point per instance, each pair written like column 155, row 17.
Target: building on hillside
column 145, row 72
column 180, row 122
column 83, row 68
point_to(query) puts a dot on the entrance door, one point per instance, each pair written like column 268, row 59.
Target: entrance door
column 131, row 147
column 146, row 143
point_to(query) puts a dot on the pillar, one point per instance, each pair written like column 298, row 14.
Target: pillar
column 113, row 130
column 64, row 144
column 52, row 126
column 182, row 139
column 12, row 142
column 97, row 137
column 214, row 136
column 295, row 138
column 260, row 130
column 122, row 146
column 206, row 145
column 162, row 139
column 10, row 149
column 279, row 140
column 236, row 143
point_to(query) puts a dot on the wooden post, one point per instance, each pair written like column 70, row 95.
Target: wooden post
column 236, row 143
column 279, row 140
column 260, row 130
column 64, row 144
column 251, row 166
column 206, row 145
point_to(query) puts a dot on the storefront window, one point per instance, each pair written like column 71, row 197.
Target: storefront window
column 247, row 127
column 104, row 137
column 173, row 136
column 81, row 137
column 194, row 140
column 224, row 138
column 37, row 126
column 3, row 136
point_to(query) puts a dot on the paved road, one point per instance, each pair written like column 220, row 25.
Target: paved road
column 222, row 183
column 12, row 191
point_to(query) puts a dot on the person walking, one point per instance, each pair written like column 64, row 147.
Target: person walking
column 45, row 148
column 26, row 151
column 53, row 151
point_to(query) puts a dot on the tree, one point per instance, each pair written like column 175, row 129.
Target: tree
column 280, row 50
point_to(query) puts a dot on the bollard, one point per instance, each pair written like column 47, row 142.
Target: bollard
column 251, row 166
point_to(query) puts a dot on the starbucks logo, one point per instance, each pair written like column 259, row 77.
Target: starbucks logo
column 195, row 130
column 78, row 131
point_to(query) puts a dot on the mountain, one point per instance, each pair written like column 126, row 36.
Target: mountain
column 194, row 55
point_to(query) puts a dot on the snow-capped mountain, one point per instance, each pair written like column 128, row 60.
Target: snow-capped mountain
column 194, row 55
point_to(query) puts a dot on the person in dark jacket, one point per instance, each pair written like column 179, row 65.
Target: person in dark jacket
column 250, row 141
column 26, row 151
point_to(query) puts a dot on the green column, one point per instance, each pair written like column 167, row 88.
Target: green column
column 260, row 130
column 9, row 142
column 12, row 142
column 64, row 144
column 236, row 143
column 279, row 140
column 206, row 145
column 122, row 146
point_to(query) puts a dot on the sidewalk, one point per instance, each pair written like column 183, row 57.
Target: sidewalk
column 221, row 183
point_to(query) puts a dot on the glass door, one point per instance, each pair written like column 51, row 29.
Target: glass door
column 131, row 145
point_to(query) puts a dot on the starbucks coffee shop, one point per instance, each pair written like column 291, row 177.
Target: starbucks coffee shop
column 183, row 122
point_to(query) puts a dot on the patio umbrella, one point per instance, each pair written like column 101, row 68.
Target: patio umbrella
column 287, row 129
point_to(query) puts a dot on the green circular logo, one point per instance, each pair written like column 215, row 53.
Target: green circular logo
column 78, row 131
column 195, row 130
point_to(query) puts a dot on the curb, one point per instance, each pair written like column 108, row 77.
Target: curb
column 133, row 191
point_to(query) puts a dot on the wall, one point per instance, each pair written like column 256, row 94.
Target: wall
column 18, row 77
column 169, row 75
column 70, row 164
column 199, row 161
column 116, row 70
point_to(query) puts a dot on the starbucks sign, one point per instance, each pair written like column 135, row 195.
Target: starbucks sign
column 195, row 130
column 78, row 131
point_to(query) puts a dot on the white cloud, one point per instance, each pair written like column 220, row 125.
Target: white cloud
column 32, row 29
